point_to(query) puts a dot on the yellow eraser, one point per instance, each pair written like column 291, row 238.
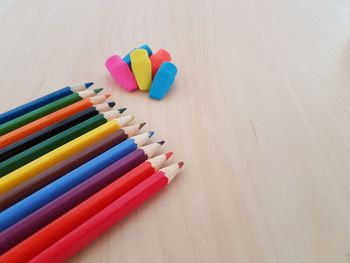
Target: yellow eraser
column 142, row 68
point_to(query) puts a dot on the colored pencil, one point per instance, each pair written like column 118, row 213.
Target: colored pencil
column 85, row 210
column 67, row 165
column 56, row 141
column 49, row 119
column 42, row 245
column 45, row 110
column 43, row 134
column 35, row 104
column 82, row 212
column 50, row 192
column 37, row 166
column 46, row 214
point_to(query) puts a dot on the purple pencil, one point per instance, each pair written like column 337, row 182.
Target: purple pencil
column 45, row 215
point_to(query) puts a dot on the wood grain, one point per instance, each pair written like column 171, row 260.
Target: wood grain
column 260, row 114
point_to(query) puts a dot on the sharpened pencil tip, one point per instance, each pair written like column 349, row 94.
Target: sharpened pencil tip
column 161, row 142
column 141, row 125
column 180, row 164
column 111, row 104
column 150, row 134
column 97, row 91
column 122, row 110
column 88, row 84
column 168, row 155
column 107, row 96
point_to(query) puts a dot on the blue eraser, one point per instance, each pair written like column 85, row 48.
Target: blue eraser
column 163, row 80
column 127, row 58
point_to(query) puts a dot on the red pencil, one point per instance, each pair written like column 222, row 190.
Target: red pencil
column 93, row 227
column 78, row 195
column 102, row 221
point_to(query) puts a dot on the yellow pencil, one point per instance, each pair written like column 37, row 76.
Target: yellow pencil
column 37, row 166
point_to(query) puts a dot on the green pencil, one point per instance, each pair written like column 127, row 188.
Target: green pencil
column 56, row 141
column 45, row 110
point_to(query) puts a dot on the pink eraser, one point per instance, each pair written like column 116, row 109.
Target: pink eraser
column 121, row 73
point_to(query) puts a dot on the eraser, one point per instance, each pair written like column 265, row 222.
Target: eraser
column 127, row 58
column 163, row 80
column 121, row 73
column 142, row 69
column 158, row 58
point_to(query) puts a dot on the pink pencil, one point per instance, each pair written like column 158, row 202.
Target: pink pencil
column 102, row 221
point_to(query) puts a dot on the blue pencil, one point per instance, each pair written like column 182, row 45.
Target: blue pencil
column 35, row 104
column 50, row 192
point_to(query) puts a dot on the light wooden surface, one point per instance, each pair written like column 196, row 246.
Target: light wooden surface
column 260, row 114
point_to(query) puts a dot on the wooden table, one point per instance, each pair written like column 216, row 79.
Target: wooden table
column 260, row 114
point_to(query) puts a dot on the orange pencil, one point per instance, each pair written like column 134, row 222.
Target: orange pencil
column 50, row 119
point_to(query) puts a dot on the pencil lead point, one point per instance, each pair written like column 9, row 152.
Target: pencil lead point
column 111, row 104
column 122, row 110
column 88, row 84
column 180, row 164
column 168, row 155
column 141, row 125
column 97, row 91
column 150, row 134
column 161, row 142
